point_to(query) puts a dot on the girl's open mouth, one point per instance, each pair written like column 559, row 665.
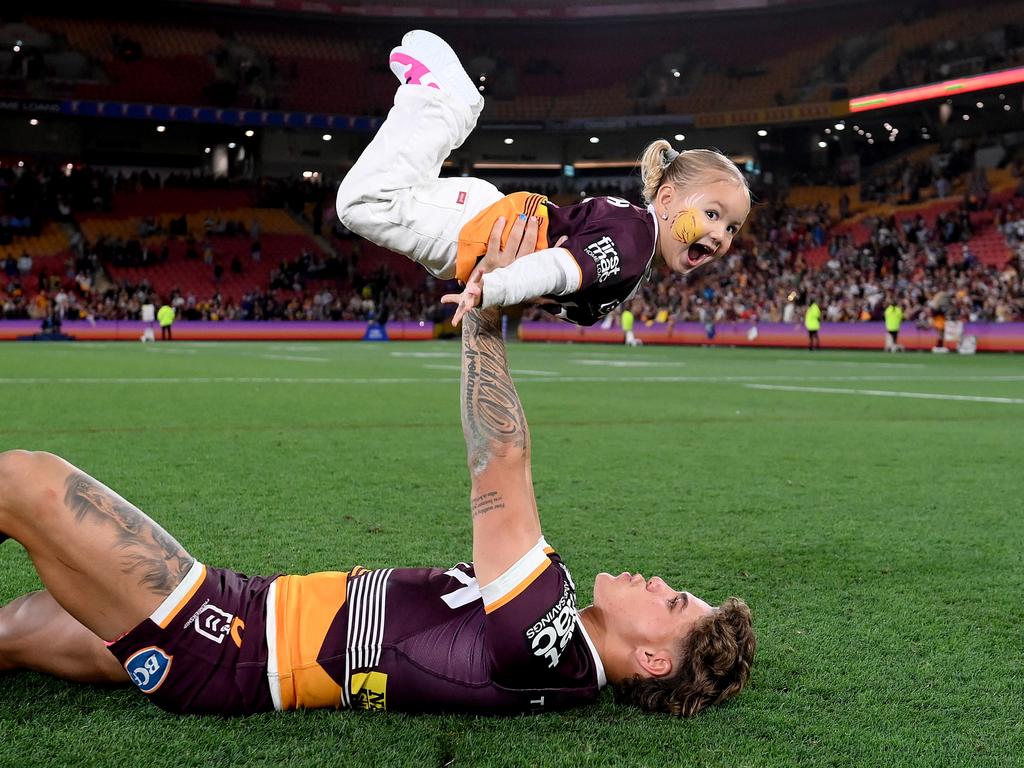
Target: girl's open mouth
column 697, row 254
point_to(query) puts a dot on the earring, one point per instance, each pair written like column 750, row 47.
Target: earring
column 664, row 216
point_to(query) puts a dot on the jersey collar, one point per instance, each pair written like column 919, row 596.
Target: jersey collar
column 602, row 680
column 654, row 223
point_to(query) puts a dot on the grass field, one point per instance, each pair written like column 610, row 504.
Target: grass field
column 877, row 538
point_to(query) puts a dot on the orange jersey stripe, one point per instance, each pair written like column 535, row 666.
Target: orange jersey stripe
column 306, row 607
column 518, row 589
column 476, row 232
column 185, row 598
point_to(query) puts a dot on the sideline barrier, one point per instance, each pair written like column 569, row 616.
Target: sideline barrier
column 184, row 330
column 991, row 337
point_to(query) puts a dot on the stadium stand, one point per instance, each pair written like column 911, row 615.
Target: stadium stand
column 98, row 236
column 962, row 252
column 719, row 64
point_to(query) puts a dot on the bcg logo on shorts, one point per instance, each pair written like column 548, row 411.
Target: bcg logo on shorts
column 148, row 668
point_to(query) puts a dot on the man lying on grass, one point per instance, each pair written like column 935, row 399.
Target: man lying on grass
column 124, row 602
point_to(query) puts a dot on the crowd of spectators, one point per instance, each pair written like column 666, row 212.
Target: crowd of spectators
column 766, row 277
column 307, row 286
column 378, row 297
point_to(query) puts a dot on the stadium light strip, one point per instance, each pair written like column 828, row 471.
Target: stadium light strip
column 518, row 166
column 584, row 165
column 937, row 90
column 592, row 164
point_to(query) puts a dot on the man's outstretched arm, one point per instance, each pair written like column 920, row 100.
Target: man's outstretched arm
column 505, row 520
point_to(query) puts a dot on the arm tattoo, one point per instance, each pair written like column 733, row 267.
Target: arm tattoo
column 492, row 416
column 486, row 502
column 147, row 551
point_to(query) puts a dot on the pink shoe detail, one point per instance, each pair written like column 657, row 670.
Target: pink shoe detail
column 417, row 71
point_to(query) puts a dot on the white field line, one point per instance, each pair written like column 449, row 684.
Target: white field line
column 749, row 380
column 295, row 348
column 630, row 363
column 887, row 393
column 847, row 363
column 169, row 351
column 426, row 354
column 297, row 358
column 514, row 371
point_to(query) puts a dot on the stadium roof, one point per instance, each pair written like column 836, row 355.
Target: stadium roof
column 522, row 10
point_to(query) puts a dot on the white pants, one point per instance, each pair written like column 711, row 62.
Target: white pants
column 393, row 197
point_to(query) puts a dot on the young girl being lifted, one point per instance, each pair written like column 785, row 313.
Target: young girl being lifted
column 590, row 258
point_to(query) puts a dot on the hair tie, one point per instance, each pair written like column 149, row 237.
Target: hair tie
column 670, row 156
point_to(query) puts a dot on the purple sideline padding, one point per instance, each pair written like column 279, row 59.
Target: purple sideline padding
column 184, row 330
column 992, row 337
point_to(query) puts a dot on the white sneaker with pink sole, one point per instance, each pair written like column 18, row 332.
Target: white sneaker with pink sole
column 425, row 59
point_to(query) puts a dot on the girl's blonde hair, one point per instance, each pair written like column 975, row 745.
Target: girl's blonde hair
column 660, row 164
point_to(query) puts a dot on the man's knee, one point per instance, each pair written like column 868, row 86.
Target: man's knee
column 15, row 467
column 24, row 476
column 12, row 636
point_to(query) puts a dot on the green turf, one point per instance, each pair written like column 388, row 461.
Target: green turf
column 878, row 540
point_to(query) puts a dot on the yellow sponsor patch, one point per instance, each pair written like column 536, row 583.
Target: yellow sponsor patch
column 369, row 690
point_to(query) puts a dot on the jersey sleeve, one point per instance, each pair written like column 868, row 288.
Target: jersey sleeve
column 551, row 271
column 531, row 620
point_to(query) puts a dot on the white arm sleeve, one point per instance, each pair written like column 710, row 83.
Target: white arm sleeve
column 551, row 271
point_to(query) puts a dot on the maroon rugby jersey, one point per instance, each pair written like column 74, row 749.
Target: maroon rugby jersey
column 426, row 639
column 613, row 243
column 413, row 639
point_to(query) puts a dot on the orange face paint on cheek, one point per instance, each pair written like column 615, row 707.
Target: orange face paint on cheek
column 686, row 227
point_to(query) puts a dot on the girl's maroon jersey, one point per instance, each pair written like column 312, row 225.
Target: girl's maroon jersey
column 613, row 243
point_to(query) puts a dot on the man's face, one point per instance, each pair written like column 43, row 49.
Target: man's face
column 647, row 612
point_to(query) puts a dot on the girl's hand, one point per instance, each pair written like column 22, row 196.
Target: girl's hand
column 470, row 297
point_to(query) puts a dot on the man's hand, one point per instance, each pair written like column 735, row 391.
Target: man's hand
column 522, row 239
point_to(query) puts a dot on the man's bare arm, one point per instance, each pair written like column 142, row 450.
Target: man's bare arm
column 505, row 520
column 492, row 416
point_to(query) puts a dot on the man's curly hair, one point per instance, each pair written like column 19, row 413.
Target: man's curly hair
column 713, row 665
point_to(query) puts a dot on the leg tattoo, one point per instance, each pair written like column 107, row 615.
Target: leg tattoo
column 147, row 550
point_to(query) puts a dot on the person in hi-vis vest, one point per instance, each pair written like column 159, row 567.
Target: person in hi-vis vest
column 627, row 328
column 893, row 320
column 165, row 316
column 812, row 322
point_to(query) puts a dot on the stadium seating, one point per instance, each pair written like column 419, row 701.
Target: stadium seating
column 958, row 23
column 52, row 241
column 776, row 60
column 197, row 278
